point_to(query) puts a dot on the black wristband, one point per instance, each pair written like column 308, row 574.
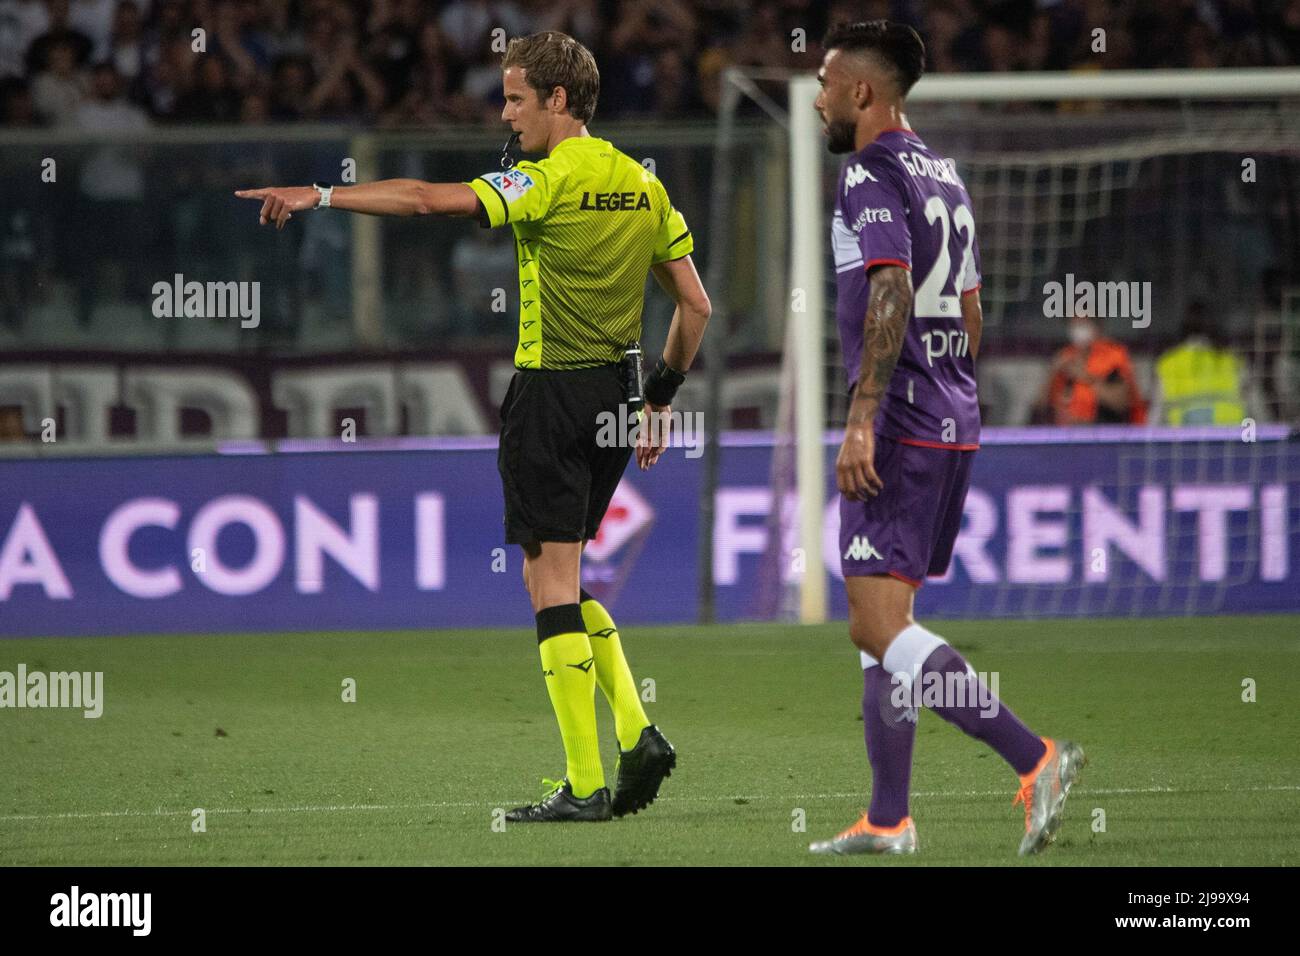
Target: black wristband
column 662, row 384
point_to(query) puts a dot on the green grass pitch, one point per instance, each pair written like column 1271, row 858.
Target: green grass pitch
column 450, row 725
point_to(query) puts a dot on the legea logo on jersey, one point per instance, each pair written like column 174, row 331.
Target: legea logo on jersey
column 512, row 184
column 614, row 202
column 855, row 175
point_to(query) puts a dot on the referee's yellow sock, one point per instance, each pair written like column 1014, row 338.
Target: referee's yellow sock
column 613, row 674
column 569, row 667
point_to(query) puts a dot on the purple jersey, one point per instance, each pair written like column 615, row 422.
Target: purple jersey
column 900, row 204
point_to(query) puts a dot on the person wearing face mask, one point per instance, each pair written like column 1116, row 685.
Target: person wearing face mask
column 1091, row 381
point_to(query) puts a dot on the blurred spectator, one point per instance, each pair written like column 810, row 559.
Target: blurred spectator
column 168, row 77
column 107, row 110
column 112, row 182
column 1199, row 381
column 274, row 28
column 674, row 94
column 629, row 71
column 126, row 43
column 168, row 23
column 481, row 86
column 58, row 32
column 468, row 25
column 349, row 62
column 212, row 99
column 255, row 109
column 428, row 83
column 21, row 22
column 242, row 50
column 578, row 18
column 999, row 51
column 290, row 85
column 942, row 27
column 95, row 18
column 1289, row 33
column 58, row 90
column 765, row 40
column 348, row 90
column 396, row 37
column 1091, row 381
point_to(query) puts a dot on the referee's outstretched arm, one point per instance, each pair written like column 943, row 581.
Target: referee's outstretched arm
column 387, row 197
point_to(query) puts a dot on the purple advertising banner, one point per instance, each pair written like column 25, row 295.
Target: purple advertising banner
column 409, row 535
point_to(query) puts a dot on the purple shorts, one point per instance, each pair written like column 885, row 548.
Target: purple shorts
column 908, row 530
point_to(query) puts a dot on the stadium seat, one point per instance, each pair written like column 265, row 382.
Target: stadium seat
column 312, row 397
column 31, row 388
column 86, row 393
column 159, row 394
column 439, row 400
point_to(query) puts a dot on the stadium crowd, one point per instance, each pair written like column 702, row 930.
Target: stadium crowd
column 409, row 63
column 126, row 65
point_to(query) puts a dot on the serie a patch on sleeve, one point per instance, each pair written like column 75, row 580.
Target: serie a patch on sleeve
column 512, row 184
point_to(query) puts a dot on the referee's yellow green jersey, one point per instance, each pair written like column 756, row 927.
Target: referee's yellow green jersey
column 589, row 222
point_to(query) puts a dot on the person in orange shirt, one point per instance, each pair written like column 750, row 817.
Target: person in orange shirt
column 1092, row 381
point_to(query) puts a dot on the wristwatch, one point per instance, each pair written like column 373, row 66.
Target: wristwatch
column 325, row 190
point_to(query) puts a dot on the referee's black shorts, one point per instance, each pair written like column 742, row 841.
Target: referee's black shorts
column 557, row 479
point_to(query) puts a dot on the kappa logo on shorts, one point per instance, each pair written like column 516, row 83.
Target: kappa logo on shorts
column 860, row 549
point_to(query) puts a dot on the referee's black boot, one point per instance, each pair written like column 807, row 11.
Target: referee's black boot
column 642, row 770
column 561, row 806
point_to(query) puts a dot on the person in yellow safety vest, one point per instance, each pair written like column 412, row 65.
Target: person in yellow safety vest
column 1200, row 381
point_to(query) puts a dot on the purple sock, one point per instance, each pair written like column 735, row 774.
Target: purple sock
column 890, row 731
column 980, row 714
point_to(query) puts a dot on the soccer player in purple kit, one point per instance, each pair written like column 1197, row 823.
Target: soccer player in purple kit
column 912, row 432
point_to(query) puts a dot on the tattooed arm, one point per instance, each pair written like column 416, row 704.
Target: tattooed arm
column 886, row 324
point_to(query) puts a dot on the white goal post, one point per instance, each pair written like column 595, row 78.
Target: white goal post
column 806, row 328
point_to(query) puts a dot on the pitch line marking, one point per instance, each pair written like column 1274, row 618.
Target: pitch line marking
column 447, row 805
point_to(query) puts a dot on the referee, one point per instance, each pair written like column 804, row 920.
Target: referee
column 589, row 223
